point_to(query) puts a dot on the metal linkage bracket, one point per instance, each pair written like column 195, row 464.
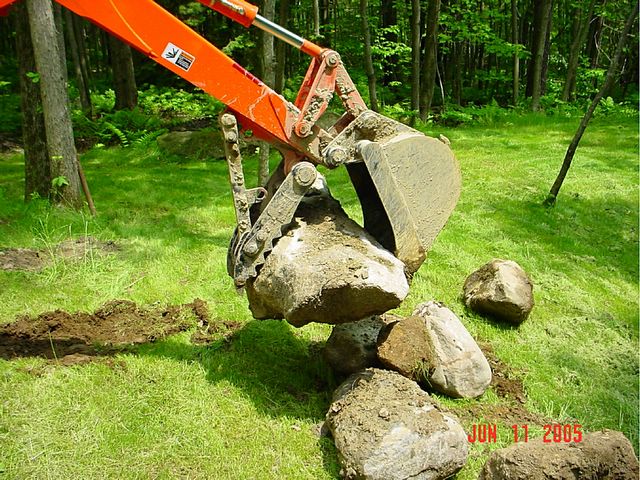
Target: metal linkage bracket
column 251, row 243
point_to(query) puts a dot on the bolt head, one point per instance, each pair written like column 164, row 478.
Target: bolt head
column 303, row 130
column 304, row 174
column 333, row 60
column 250, row 248
column 336, row 156
column 228, row 120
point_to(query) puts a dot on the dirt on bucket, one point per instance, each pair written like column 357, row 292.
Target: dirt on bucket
column 112, row 327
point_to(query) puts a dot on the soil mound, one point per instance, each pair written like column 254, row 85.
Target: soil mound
column 112, row 327
column 33, row 260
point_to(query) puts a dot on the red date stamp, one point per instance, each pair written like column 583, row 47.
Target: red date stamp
column 552, row 433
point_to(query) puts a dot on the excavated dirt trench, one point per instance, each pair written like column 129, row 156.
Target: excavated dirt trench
column 113, row 327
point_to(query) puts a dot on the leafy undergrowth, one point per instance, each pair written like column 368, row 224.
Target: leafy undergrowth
column 248, row 405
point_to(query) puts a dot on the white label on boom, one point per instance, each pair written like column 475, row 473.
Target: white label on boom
column 178, row 57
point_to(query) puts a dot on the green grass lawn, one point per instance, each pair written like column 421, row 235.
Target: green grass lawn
column 249, row 407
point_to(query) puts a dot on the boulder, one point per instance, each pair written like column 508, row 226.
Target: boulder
column 605, row 455
column 198, row 145
column 385, row 427
column 500, row 288
column 434, row 346
column 326, row 269
column 405, row 346
column 351, row 347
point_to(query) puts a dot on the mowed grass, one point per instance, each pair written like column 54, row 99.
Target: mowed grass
column 249, row 407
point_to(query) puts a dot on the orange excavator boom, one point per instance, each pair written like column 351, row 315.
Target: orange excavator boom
column 407, row 183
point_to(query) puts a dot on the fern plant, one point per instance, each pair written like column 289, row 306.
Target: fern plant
column 118, row 133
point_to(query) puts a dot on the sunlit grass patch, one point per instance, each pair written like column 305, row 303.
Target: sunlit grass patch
column 248, row 406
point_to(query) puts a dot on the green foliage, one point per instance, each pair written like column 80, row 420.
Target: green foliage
column 239, row 44
column 192, row 13
column 158, row 109
column 10, row 113
column 177, row 105
column 59, row 182
column 124, row 127
column 33, row 76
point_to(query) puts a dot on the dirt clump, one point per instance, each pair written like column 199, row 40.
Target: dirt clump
column 112, row 327
column 24, row 259
column 504, row 382
column 509, row 388
column 211, row 330
column 78, row 248
column 34, row 260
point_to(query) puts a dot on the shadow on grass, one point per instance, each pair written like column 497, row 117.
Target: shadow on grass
column 283, row 374
column 578, row 233
column 280, row 372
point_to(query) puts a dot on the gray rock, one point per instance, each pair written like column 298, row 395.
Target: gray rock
column 434, row 346
column 198, row 145
column 385, row 427
column 500, row 288
column 326, row 269
column 352, row 346
column 460, row 369
column 605, row 455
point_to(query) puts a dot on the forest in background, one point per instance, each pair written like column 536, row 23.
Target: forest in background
column 439, row 59
column 418, row 62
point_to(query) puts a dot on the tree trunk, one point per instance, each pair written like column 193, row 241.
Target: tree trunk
column 269, row 77
column 415, row 55
column 579, row 39
column 79, row 32
column 37, row 171
column 389, row 18
column 547, row 52
column 539, row 42
column 57, row 17
column 83, row 88
column 55, row 103
column 595, row 39
column 124, row 79
column 368, row 61
column 280, row 48
column 430, row 58
column 611, row 74
column 316, row 19
column 516, row 58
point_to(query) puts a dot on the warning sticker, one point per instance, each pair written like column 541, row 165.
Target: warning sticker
column 178, row 57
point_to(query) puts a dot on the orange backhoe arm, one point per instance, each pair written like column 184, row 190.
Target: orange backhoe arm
column 159, row 35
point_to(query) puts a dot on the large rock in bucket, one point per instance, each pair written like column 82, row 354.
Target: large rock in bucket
column 326, row 269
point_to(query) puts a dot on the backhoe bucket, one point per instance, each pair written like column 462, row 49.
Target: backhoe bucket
column 408, row 184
